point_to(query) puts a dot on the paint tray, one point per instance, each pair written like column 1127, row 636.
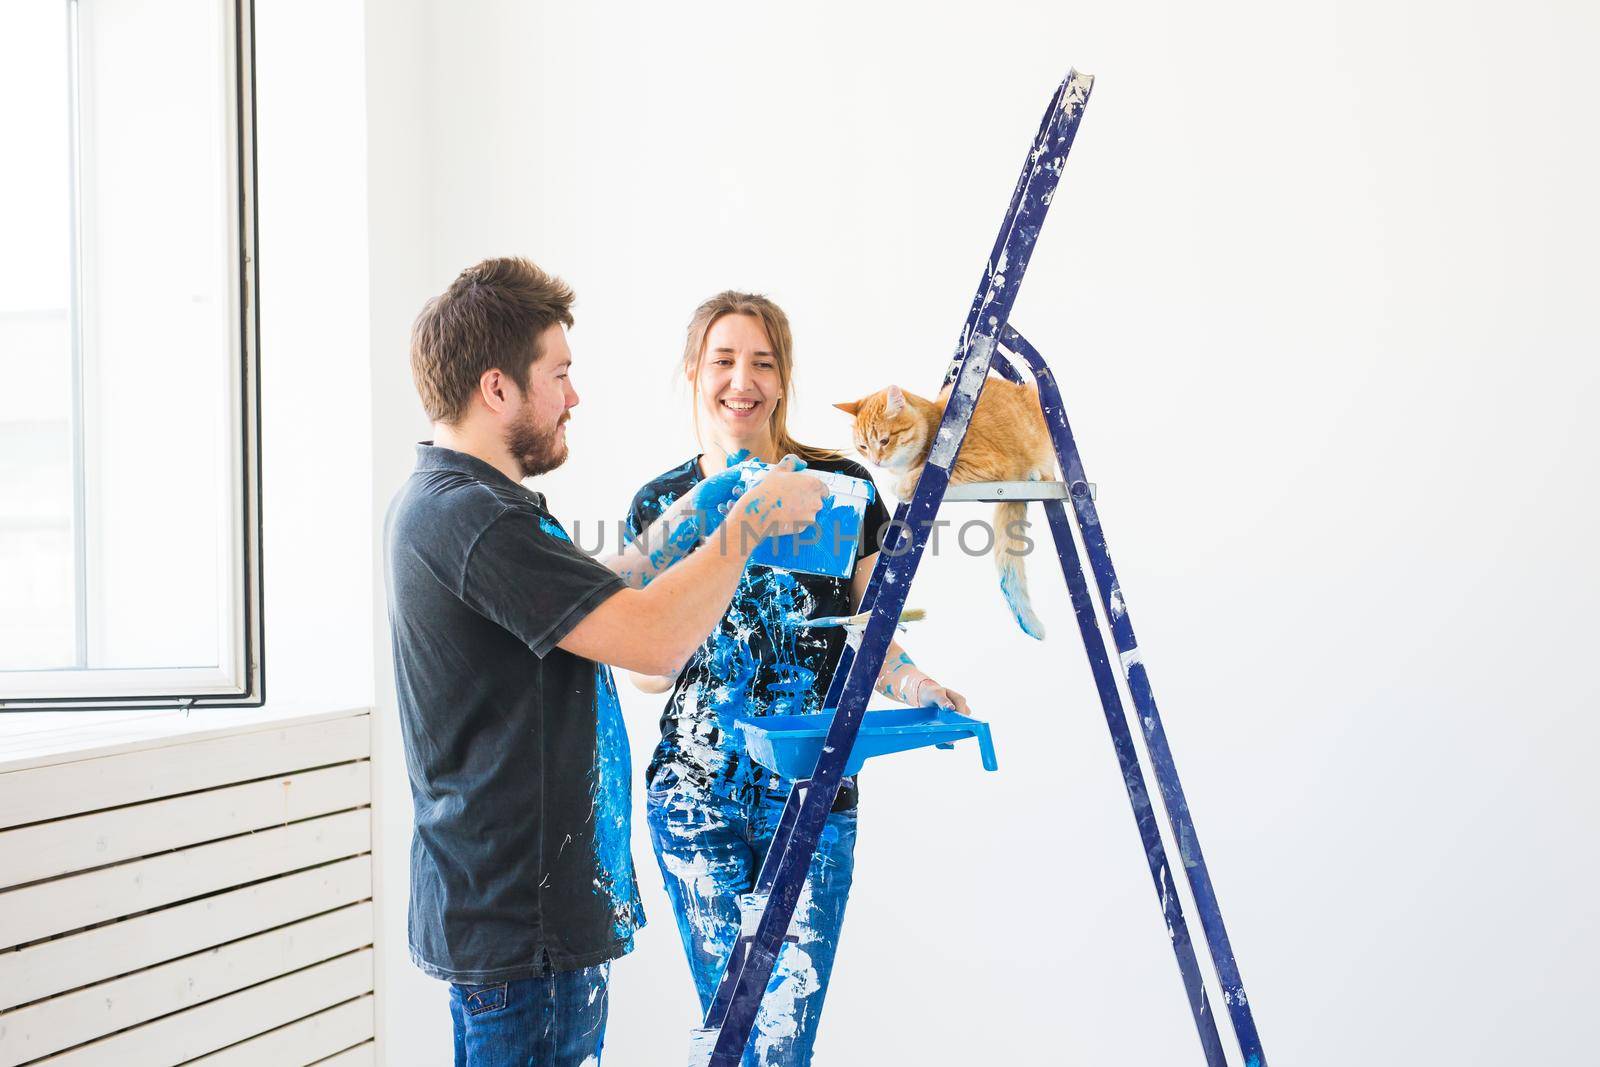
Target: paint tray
column 829, row 547
column 789, row 745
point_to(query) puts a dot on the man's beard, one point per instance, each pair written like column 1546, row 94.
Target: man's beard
column 536, row 452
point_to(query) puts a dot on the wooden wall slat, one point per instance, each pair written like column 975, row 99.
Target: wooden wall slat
column 51, row 967
column 360, row 1056
column 79, row 900
column 61, row 1022
column 45, row 850
column 187, row 889
column 311, row 1040
column 58, row 790
column 214, row 1025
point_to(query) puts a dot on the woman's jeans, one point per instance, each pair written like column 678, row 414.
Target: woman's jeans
column 555, row 1021
column 710, row 850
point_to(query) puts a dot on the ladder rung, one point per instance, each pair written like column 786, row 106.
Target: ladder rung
column 995, row 492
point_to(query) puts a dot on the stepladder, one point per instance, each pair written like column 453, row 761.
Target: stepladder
column 990, row 344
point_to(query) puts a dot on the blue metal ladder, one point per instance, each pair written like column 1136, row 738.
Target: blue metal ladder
column 721, row 1042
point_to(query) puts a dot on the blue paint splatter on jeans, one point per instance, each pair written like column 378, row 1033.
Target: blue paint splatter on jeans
column 554, row 1018
column 709, row 850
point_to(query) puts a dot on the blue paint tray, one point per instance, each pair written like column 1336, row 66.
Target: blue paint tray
column 790, row 744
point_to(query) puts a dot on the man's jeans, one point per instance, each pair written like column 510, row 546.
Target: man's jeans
column 710, row 850
column 554, row 1021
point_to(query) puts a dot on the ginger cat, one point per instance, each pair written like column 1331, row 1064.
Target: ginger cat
column 1007, row 441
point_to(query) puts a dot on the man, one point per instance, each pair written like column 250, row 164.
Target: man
column 522, row 883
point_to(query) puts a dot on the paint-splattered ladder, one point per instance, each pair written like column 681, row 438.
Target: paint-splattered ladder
column 721, row 1042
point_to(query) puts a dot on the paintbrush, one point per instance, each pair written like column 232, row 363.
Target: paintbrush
column 857, row 621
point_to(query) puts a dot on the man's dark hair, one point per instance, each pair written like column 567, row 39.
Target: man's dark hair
column 489, row 319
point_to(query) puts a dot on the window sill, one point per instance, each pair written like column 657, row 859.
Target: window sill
column 43, row 738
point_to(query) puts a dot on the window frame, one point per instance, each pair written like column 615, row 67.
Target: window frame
column 239, row 680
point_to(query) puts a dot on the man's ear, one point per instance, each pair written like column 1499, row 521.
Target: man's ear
column 850, row 407
column 494, row 389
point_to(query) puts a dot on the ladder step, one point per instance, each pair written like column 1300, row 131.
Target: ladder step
column 999, row 492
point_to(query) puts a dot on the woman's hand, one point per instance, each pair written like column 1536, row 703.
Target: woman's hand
column 713, row 498
column 931, row 694
column 901, row 680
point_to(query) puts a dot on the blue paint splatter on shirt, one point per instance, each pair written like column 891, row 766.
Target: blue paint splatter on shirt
column 610, row 792
column 553, row 528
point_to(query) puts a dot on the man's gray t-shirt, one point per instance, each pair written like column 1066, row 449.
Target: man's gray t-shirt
column 516, row 749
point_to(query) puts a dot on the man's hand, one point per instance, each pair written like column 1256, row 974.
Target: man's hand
column 651, row 683
column 784, row 501
column 672, row 602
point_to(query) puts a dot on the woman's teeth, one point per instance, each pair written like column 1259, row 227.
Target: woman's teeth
column 740, row 405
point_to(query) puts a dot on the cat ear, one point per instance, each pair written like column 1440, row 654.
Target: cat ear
column 849, row 408
column 896, row 403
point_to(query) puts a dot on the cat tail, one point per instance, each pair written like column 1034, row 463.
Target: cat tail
column 1010, row 547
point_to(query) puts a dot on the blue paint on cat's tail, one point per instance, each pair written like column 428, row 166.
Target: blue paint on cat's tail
column 1011, row 546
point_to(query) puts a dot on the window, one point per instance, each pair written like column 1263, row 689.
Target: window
column 129, row 475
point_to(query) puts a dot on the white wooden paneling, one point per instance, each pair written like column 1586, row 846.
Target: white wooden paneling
column 214, row 1025
column 118, row 948
column 44, row 850
column 60, row 789
column 360, row 1056
column 186, row 886
column 46, row 908
column 330, row 1033
column 61, row 1022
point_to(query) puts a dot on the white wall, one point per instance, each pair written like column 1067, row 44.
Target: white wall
column 315, row 357
column 413, row 1017
column 1312, row 287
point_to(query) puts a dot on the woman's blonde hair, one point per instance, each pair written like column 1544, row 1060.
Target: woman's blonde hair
column 776, row 323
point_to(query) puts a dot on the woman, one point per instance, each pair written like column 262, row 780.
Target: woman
column 711, row 810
